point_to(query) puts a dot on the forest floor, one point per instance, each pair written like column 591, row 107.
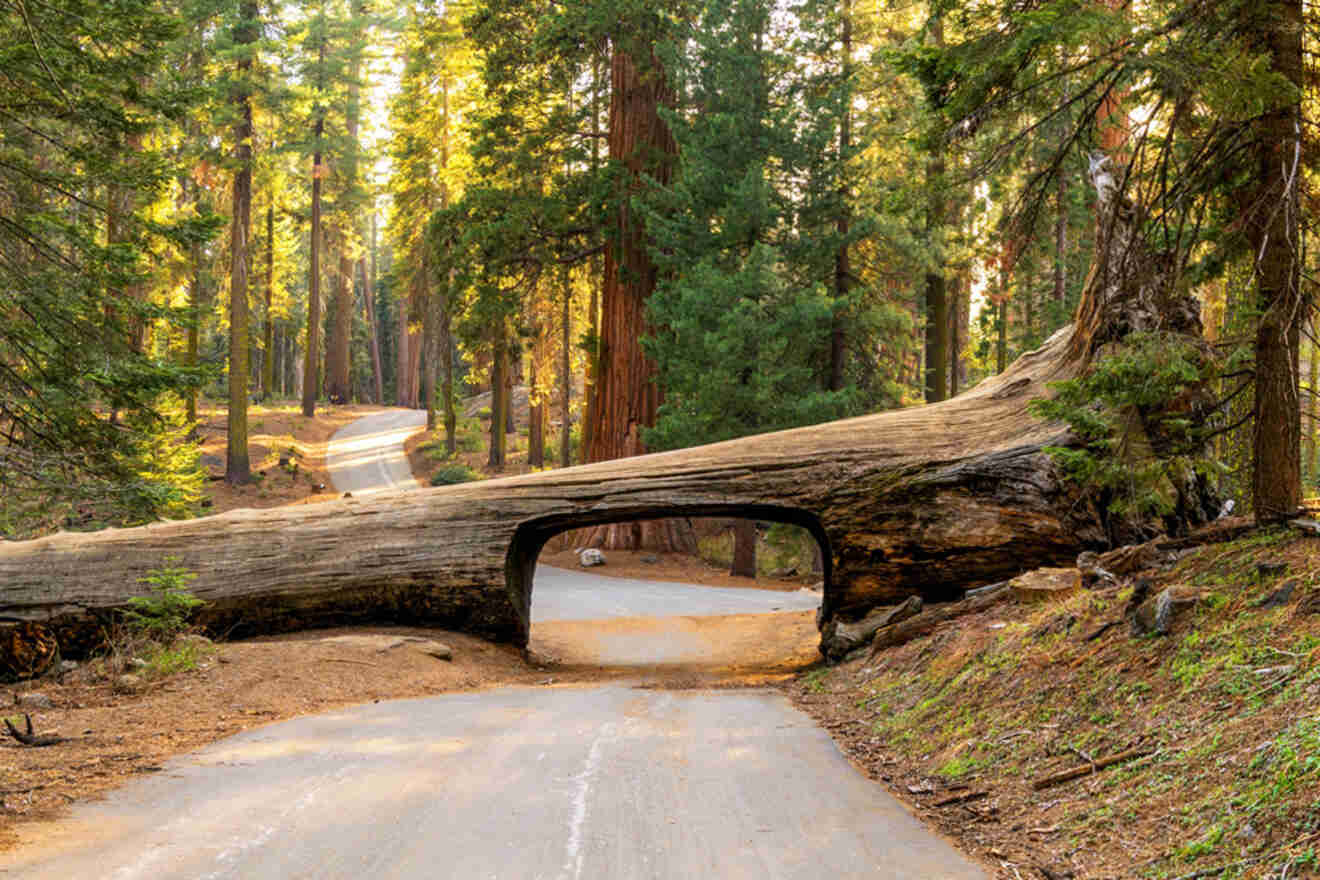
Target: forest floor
column 1222, row 714
column 275, row 429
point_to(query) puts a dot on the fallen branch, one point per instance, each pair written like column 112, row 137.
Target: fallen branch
column 921, row 624
column 838, row 638
column 1102, row 629
column 29, row 738
column 1088, row 769
column 962, row 797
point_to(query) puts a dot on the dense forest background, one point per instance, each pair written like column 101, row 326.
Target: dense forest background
column 672, row 225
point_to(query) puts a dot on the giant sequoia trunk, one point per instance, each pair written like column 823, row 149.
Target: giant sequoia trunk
column 923, row 501
column 626, row 396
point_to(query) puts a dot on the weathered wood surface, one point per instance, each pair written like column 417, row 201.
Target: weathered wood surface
column 922, row 501
column 925, row 623
column 839, row 638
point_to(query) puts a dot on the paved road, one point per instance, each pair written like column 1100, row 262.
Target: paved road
column 367, row 456
column 559, row 594
column 605, row 783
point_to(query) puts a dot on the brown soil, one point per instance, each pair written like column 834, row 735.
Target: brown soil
column 274, row 429
column 735, row 647
column 1226, row 709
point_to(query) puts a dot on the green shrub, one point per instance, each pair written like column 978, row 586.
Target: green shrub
column 182, row 655
column 164, row 614
column 1136, row 447
column 454, row 473
column 470, row 436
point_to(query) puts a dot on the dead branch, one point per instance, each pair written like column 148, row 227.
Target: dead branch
column 1088, row 769
column 961, row 797
column 921, row 624
column 29, row 738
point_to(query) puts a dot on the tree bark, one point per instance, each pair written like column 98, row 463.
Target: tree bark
column 744, row 548
column 429, row 342
column 373, row 329
column 1313, row 369
column 1273, row 229
column 237, row 467
column 591, row 368
column 566, row 374
column 268, row 330
column 512, row 378
column 498, row 404
column 312, row 363
column 447, row 378
column 937, row 298
column 197, row 300
column 402, row 377
column 626, row 396
column 1061, row 241
column 337, row 387
column 842, row 265
column 535, row 420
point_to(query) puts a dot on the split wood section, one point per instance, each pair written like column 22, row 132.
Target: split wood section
column 922, row 501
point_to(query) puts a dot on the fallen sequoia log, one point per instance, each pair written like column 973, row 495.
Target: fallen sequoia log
column 925, row 501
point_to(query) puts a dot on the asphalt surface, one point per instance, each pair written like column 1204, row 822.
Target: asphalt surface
column 606, row 783
column 367, row 456
column 559, row 594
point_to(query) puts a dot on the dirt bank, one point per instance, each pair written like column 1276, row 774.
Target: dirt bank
column 1220, row 721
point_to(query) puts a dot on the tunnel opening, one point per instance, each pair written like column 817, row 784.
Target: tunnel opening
column 643, row 586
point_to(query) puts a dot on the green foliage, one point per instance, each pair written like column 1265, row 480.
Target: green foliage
column 182, row 655
column 82, row 157
column 152, row 472
column 748, row 298
column 163, row 615
column 1136, row 445
column 454, row 473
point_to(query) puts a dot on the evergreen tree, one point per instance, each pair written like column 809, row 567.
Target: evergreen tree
column 78, row 166
column 747, row 257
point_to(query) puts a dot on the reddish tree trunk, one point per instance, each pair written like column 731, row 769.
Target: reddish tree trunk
column 744, row 548
column 312, row 365
column 237, row 466
column 626, row 396
column 268, row 330
column 1273, row 229
column 337, row 357
column 402, row 385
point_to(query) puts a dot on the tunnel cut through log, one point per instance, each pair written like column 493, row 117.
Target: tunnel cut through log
column 531, row 537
